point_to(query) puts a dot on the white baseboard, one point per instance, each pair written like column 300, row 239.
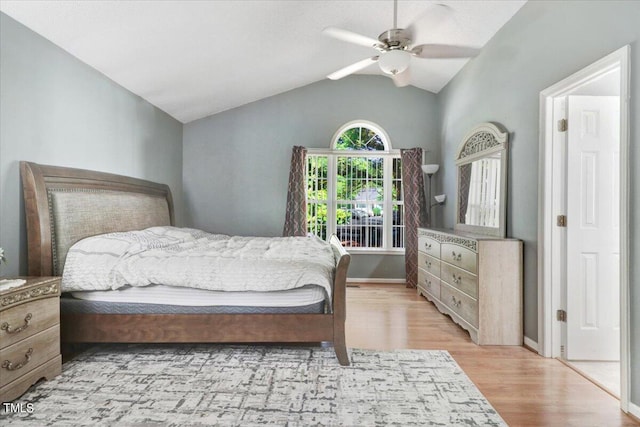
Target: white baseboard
column 375, row 280
column 634, row 410
column 531, row 344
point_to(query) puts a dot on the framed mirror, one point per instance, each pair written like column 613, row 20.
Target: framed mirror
column 482, row 161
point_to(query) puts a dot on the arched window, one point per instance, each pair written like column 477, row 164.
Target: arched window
column 361, row 135
column 354, row 190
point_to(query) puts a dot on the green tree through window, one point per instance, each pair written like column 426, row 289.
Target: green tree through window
column 360, row 138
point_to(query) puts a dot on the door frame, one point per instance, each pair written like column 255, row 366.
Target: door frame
column 550, row 237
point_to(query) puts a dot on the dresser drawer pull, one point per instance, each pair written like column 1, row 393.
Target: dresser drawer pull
column 456, row 302
column 456, row 257
column 9, row 366
column 428, row 283
column 427, row 246
column 5, row 326
column 428, row 264
column 457, row 280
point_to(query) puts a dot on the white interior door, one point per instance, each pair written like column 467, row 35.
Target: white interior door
column 593, row 229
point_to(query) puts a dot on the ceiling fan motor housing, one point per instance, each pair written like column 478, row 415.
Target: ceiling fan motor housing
column 396, row 38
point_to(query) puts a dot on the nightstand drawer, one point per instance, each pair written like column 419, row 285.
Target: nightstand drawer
column 28, row 354
column 429, row 264
column 461, row 304
column 460, row 279
column 22, row 321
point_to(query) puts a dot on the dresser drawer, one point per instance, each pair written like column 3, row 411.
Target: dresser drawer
column 429, row 283
column 460, row 257
column 429, row 264
column 461, row 304
column 26, row 355
column 429, row 246
column 24, row 320
column 460, row 279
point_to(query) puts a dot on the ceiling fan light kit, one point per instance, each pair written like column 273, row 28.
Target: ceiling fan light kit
column 394, row 61
column 395, row 51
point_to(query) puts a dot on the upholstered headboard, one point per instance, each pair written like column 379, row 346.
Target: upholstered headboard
column 64, row 205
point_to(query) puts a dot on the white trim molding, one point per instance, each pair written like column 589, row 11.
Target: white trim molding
column 377, row 280
column 528, row 342
column 549, row 271
column 634, row 410
column 354, row 250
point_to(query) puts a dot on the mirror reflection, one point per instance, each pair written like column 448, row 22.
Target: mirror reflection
column 479, row 192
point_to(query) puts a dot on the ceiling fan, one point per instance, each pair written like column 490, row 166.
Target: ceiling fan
column 394, row 47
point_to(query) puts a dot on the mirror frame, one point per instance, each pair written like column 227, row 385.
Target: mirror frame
column 483, row 140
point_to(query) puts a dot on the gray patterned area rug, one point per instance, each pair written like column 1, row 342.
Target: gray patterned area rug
column 206, row 385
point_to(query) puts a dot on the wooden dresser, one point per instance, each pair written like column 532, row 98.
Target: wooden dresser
column 476, row 280
column 29, row 335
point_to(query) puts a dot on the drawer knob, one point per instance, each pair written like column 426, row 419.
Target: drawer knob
column 456, row 257
column 427, row 246
column 428, row 263
column 6, row 327
column 456, row 302
column 9, row 366
column 457, row 280
column 428, row 283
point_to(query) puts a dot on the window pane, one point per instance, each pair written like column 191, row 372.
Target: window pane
column 360, row 138
column 317, row 219
column 317, row 178
column 396, row 181
column 397, row 201
column 357, row 227
column 360, row 178
column 360, row 194
column 398, row 226
column 317, row 181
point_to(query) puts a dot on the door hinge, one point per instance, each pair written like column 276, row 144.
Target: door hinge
column 562, row 125
column 562, row 220
column 561, row 315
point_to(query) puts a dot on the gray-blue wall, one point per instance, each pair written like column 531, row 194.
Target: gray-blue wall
column 56, row 110
column 236, row 163
column 545, row 42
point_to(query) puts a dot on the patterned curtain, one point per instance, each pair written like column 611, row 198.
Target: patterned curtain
column 415, row 213
column 295, row 222
column 465, row 182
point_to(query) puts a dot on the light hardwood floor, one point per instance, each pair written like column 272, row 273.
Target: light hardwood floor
column 526, row 389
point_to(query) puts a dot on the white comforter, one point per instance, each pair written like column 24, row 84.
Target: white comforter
column 196, row 259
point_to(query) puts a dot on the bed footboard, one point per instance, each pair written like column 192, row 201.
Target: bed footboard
column 340, row 300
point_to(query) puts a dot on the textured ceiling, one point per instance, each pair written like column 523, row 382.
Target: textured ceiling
column 197, row 58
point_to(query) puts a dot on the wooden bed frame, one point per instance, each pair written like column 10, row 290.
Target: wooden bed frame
column 42, row 184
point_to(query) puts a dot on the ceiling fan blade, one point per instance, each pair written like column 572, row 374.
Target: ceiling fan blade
column 434, row 16
column 402, row 79
column 350, row 69
column 443, row 51
column 351, row 37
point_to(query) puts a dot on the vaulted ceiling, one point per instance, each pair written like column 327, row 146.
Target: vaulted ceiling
column 197, row 58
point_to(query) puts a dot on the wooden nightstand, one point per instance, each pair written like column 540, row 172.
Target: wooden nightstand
column 29, row 335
